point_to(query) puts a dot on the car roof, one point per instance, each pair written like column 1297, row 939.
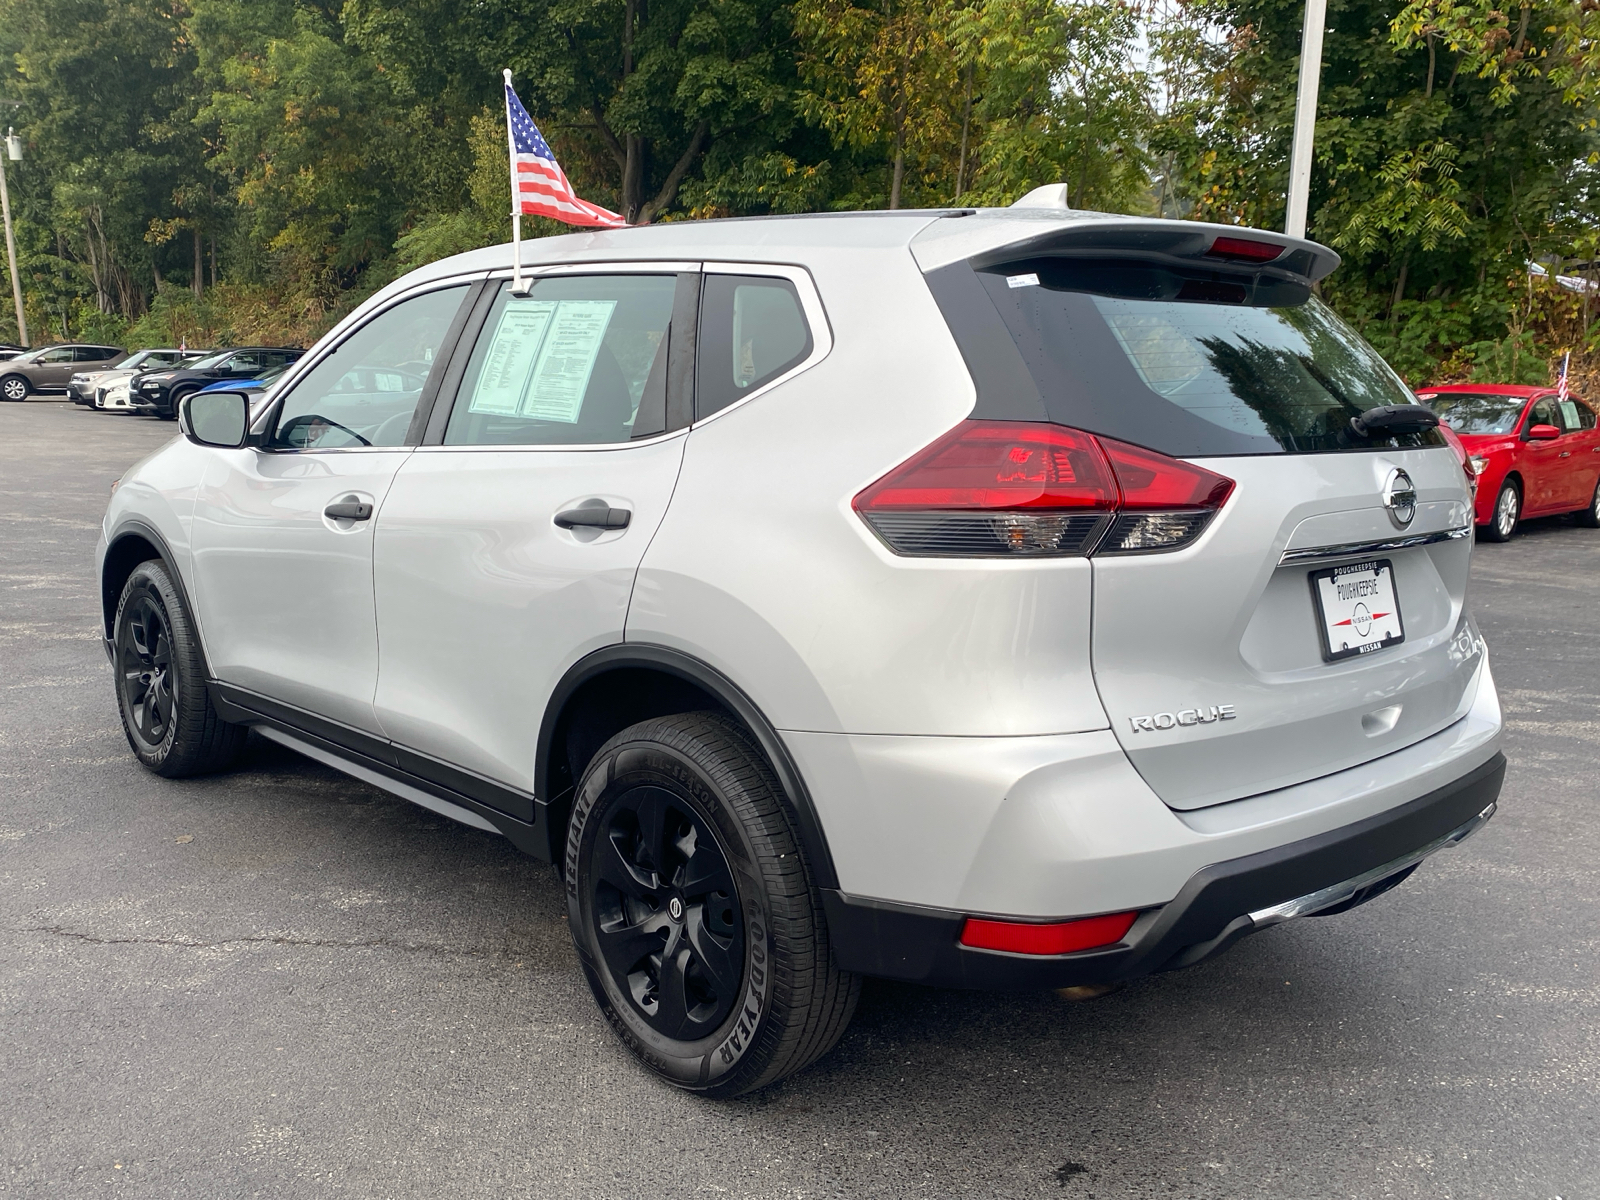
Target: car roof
column 936, row 237
column 1526, row 391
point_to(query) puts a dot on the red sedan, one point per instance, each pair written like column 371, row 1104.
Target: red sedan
column 1535, row 454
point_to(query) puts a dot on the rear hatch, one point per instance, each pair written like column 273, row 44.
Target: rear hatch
column 1319, row 621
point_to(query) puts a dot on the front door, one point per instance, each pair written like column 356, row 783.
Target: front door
column 508, row 551
column 282, row 534
column 1542, row 463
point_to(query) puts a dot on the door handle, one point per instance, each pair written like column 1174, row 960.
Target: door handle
column 594, row 517
column 348, row 510
column 1565, row 454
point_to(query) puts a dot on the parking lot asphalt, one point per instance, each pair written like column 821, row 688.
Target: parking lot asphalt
column 281, row 982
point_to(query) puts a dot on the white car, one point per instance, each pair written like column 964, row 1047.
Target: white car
column 1002, row 599
column 86, row 387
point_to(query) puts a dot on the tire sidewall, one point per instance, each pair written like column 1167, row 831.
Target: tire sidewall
column 722, row 1060
column 150, row 580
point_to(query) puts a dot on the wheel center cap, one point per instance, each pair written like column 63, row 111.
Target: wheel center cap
column 675, row 909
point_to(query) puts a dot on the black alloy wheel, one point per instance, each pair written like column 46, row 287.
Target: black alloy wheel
column 145, row 669
column 666, row 920
column 166, row 709
column 691, row 908
column 15, row 387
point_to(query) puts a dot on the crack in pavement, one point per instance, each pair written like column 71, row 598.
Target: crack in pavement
column 325, row 943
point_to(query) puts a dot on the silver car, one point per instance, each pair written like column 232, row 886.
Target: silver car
column 1004, row 599
column 89, row 387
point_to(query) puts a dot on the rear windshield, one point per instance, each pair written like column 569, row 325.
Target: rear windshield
column 1193, row 363
column 1476, row 412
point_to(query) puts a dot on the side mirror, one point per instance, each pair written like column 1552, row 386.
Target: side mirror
column 1543, row 433
column 216, row 419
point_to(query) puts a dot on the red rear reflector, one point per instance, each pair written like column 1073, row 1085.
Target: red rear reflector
column 1245, row 248
column 1062, row 937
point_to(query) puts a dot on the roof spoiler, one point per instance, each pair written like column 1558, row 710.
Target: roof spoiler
column 1176, row 243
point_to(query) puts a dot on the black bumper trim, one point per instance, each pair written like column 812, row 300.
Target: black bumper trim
column 1210, row 913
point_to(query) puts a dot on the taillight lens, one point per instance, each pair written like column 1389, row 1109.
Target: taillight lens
column 1471, row 465
column 1004, row 488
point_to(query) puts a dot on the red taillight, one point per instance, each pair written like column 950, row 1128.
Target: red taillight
column 1247, row 249
column 1010, row 487
column 1061, row 937
column 1462, row 455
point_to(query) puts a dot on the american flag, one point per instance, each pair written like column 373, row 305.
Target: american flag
column 1561, row 390
column 538, row 184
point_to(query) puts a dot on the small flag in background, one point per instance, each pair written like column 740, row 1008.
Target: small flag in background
column 1561, row 390
column 538, row 185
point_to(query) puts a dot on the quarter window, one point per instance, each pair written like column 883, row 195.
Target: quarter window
column 366, row 391
column 752, row 330
column 572, row 362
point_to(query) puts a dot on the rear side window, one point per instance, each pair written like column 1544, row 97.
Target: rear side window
column 1191, row 362
column 570, row 363
column 752, row 330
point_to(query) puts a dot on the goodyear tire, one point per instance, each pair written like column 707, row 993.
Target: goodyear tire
column 166, row 710
column 692, row 910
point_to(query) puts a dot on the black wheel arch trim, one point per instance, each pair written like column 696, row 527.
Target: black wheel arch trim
column 135, row 528
column 725, row 691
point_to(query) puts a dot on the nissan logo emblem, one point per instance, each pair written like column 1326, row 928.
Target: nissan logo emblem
column 1400, row 498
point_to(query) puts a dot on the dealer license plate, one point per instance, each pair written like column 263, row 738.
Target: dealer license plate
column 1357, row 610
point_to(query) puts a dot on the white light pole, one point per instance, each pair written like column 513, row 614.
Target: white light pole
column 14, row 153
column 1305, row 118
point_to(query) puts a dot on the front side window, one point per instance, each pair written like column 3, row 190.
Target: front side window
column 752, row 330
column 366, row 391
column 55, row 356
column 569, row 363
column 1544, row 413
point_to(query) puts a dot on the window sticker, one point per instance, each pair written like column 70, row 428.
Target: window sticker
column 1569, row 412
column 1031, row 279
column 566, row 360
column 512, row 352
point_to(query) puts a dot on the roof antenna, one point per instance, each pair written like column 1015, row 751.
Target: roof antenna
column 1051, row 195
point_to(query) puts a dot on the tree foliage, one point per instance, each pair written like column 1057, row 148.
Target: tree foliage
column 293, row 155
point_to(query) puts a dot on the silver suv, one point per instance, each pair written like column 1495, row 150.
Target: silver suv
column 1000, row 599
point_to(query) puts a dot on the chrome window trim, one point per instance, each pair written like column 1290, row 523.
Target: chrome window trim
column 810, row 304
column 1361, row 549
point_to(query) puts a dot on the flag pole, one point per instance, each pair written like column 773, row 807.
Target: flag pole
column 516, row 197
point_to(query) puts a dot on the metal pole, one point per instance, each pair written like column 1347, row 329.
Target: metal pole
column 516, row 198
column 1305, row 118
column 11, row 252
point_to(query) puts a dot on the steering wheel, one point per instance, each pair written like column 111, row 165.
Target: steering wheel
column 309, row 422
column 392, row 427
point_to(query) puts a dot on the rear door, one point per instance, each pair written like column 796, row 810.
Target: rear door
column 1581, row 461
column 1319, row 620
column 508, row 544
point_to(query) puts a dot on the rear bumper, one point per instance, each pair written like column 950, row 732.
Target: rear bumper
column 1220, row 903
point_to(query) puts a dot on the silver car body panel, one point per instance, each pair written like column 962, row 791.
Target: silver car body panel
column 956, row 722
